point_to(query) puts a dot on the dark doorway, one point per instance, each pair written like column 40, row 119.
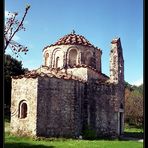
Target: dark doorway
column 120, row 118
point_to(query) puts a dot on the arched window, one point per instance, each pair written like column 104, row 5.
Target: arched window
column 89, row 59
column 57, row 62
column 46, row 58
column 23, row 109
column 73, row 57
column 57, row 58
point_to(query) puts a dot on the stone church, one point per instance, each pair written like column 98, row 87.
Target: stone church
column 69, row 93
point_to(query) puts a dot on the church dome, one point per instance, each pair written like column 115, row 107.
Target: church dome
column 73, row 39
column 72, row 50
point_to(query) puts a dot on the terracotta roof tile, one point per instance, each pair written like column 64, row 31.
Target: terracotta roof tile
column 72, row 39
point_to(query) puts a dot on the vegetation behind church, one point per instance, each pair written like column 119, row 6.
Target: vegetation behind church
column 134, row 105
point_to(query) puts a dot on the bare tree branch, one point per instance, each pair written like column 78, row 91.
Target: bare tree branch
column 12, row 26
column 11, row 23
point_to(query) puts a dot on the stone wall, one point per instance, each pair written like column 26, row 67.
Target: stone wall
column 83, row 73
column 59, row 107
column 116, row 62
column 24, row 89
column 102, row 116
column 98, row 54
column 79, row 72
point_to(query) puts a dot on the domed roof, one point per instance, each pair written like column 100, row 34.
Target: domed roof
column 72, row 39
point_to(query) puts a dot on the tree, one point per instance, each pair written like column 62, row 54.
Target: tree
column 134, row 105
column 12, row 67
column 12, row 26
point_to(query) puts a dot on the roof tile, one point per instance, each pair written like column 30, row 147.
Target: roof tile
column 72, row 39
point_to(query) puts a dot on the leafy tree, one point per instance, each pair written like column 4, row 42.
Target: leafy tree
column 134, row 105
column 12, row 67
column 12, row 26
column 128, row 86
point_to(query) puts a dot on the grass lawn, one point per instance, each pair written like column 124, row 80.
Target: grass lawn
column 132, row 129
column 24, row 142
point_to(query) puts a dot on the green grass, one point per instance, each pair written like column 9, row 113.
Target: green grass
column 134, row 132
column 14, row 142
column 25, row 142
column 132, row 129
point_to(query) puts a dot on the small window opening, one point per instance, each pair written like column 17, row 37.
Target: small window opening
column 23, row 110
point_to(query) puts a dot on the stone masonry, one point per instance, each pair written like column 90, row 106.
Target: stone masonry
column 69, row 92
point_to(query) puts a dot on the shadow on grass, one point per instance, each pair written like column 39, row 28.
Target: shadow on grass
column 25, row 145
column 132, row 136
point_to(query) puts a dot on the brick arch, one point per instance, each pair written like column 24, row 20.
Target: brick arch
column 72, row 57
column 57, row 60
column 88, row 56
column 23, row 109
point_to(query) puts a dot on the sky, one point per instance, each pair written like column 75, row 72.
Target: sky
column 99, row 21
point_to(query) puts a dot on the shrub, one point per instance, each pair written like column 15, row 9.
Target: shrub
column 89, row 134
